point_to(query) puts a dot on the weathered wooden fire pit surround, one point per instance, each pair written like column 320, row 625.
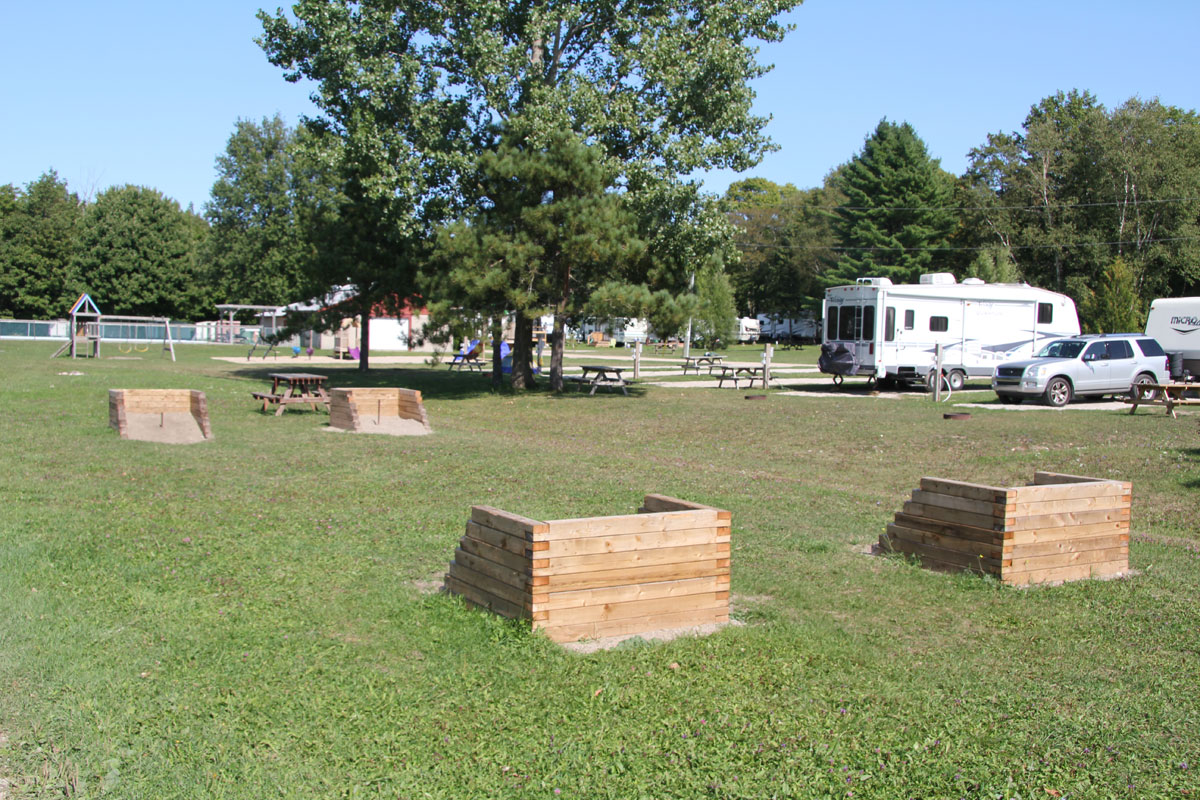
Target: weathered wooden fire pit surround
column 664, row 567
column 1059, row 528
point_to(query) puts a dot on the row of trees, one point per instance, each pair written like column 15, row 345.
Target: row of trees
column 1101, row 204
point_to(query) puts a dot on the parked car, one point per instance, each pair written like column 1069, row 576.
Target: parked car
column 1091, row 365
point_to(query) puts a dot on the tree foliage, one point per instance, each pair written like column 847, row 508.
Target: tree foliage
column 139, row 254
column 897, row 210
column 39, row 230
column 257, row 251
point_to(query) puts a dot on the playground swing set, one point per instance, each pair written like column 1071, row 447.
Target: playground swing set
column 87, row 331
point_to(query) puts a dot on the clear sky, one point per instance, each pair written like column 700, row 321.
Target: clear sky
column 147, row 92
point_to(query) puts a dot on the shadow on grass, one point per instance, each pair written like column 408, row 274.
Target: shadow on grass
column 441, row 384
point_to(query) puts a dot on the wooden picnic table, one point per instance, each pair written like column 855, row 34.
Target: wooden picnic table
column 302, row 387
column 695, row 362
column 1163, row 394
column 736, row 374
column 603, row 375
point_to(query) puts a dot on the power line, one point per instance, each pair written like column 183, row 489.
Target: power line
column 1064, row 245
column 1056, row 206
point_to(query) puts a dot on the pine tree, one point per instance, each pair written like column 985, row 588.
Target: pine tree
column 897, row 209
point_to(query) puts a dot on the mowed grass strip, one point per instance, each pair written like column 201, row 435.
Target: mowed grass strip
column 253, row 616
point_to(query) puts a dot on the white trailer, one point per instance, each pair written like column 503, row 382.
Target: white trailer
column 796, row 329
column 748, row 330
column 625, row 331
column 1175, row 323
column 890, row 331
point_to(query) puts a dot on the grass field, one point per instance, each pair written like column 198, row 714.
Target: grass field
column 254, row 616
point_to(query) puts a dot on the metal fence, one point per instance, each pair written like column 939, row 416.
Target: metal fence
column 117, row 331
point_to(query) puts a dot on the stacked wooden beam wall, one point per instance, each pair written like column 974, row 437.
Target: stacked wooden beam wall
column 1059, row 528
column 665, row 567
column 351, row 407
column 123, row 402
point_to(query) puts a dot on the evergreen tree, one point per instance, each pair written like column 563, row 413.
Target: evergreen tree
column 1113, row 306
column 897, row 209
column 39, row 231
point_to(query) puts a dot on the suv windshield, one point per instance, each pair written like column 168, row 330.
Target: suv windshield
column 1061, row 349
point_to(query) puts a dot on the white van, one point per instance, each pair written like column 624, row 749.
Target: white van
column 890, row 331
column 1175, row 323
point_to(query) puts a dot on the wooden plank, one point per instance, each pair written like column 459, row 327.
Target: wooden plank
column 519, row 579
column 986, row 508
column 624, row 577
column 1068, row 532
column 985, row 535
column 1041, row 478
column 951, row 515
column 624, row 594
column 595, row 562
column 1036, row 549
column 636, row 541
column 500, row 539
column 637, row 608
column 519, row 562
column 483, row 599
column 626, row 524
column 1069, row 491
column 1065, row 574
column 970, row 491
column 1038, row 509
column 1066, row 519
column 661, row 502
column 947, row 541
column 490, row 585
column 1067, row 559
column 509, row 523
column 622, row 627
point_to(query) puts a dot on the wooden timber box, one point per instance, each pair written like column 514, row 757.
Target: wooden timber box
column 354, row 409
column 125, row 406
column 665, row 567
column 1059, row 528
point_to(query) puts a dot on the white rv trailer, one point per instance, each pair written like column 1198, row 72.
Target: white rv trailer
column 889, row 331
column 784, row 330
column 1175, row 323
column 748, row 330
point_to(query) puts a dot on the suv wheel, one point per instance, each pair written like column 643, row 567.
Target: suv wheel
column 1058, row 392
column 1140, row 383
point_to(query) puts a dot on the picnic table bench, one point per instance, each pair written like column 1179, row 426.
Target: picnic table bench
column 302, row 387
column 695, row 362
column 736, row 374
column 603, row 375
column 1163, row 394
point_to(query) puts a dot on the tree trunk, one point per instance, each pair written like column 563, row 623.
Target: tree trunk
column 522, row 374
column 364, row 344
column 557, row 345
column 497, row 361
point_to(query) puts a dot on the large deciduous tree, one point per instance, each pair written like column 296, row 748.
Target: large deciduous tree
column 257, row 252
column 39, row 231
column 661, row 88
column 897, row 213
column 139, row 255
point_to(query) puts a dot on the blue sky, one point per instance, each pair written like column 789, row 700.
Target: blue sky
column 148, row 92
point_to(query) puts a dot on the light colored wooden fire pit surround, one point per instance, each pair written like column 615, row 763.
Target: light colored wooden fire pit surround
column 665, row 567
column 1059, row 528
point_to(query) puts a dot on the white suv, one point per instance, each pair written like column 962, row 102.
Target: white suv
column 1097, row 364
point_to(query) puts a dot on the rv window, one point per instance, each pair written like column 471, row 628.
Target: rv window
column 868, row 324
column 1045, row 313
column 889, row 325
column 910, row 319
column 939, row 324
column 847, row 327
column 831, row 323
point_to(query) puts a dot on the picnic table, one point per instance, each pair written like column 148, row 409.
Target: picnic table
column 302, row 387
column 670, row 345
column 695, row 362
column 736, row 374
column 603, row 375
column 1163, row 394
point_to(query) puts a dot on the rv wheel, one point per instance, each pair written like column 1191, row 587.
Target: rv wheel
column 957, row 379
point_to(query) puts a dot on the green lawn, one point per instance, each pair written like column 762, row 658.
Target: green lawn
column 254, row 616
